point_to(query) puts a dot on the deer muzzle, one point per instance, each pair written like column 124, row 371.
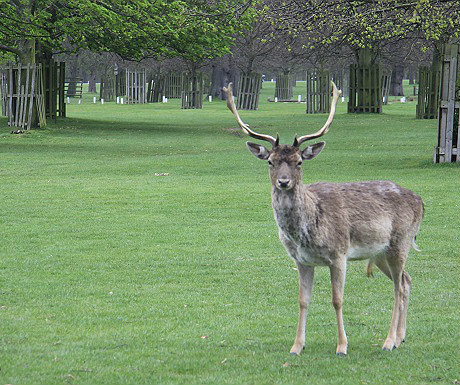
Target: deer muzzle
column 284, row 183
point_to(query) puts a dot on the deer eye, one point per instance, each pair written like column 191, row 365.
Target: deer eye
column 299, row 163
column 270, row 163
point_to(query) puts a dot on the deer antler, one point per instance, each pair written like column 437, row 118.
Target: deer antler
column 231, row 105
column 335, row 96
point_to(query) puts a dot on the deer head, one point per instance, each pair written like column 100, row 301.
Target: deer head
column 285, row 161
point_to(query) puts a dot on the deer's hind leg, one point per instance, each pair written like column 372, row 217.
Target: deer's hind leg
column 393, row 268
column 338, row 272
column 401, row 332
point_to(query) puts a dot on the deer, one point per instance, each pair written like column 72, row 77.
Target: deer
column 329, row 224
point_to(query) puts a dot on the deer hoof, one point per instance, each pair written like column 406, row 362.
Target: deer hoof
column 398, row 342
column 341, row 351
column 388, row 345
column 295, row 350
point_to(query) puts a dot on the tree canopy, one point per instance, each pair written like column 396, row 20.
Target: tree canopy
column 131, row 28
column 367, row 23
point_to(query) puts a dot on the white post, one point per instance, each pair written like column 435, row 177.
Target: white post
column 68, row 100
column 118, row 100
column 102, row 101
column 276, row 99
column 79, row 101
column 210, row 98
column 94, row 99
column 121, row 101
column 299, row 98
column 343, row 99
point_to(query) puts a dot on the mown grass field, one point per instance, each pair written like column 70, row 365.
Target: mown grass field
column 112, row 273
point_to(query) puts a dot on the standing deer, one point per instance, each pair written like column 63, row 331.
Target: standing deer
column 327, row 224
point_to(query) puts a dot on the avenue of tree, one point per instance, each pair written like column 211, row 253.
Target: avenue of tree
column 274, row 36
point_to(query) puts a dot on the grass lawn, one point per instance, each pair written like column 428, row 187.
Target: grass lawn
column 113, row 273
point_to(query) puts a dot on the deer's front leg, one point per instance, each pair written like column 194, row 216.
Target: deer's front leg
column 306, row 274
column 338, row 272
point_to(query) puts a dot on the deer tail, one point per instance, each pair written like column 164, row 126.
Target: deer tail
column 414, row 245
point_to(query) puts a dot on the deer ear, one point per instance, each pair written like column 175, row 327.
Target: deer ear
column 260, row 151
column 312, row 151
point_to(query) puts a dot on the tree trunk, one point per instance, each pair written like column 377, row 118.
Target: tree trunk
column 223, row 72
column 92, row 82
column 396, row 85
column 412, row 74
column 73, row 72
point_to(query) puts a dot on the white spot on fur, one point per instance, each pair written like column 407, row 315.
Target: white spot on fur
column 308, row 259
column 367, row 251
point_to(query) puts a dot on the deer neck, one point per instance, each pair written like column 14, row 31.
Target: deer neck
column 293, row 207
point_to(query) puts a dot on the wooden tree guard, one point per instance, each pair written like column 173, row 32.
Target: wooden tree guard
column 22, row 90
column 428, row 93
column 283, row 87
column 192, row 91
column 449, row 108
column 173, row 85
column 386, row 81
column 249, row 87
column 341, row 81
column 107, row 90
column 365, row 84
column 318, row 91
column 155, row 89
column 120, row 83
column 135, row 86
column 74, row 87
column 4, row 91
column 340, row 78
column 54, row 88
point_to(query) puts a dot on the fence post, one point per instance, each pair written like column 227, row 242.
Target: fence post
column 449, row 108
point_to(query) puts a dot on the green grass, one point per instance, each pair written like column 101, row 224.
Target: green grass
column 112, row 275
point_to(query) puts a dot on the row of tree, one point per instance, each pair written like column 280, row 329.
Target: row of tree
column 228, row 35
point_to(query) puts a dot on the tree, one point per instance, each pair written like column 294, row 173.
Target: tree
column 365, row 23
column 34, row 30
column 381, row 25
column 133, row 29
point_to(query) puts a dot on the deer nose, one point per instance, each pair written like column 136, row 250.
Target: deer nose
column 284, row 182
